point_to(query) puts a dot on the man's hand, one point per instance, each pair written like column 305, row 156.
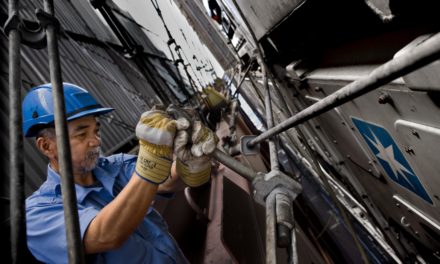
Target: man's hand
column 193, row 163
column 156, row 131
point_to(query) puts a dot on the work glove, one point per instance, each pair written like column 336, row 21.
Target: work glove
column 193, row 162
column 156, row 131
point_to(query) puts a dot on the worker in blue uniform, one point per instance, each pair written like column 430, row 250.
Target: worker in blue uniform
column 115, row 193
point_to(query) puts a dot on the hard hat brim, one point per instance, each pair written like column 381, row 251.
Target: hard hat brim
column 94, row 112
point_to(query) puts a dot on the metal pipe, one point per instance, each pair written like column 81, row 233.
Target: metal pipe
column 234, row 165
column 74, row 243
column 233, row 121
column 271, row 248
column 17, row 196
column 425, row 53
column 292, row 251
column 273, row 155
column 242, row 79
column 284, row 215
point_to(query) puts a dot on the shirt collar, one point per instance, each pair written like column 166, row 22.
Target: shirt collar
column 104, row 175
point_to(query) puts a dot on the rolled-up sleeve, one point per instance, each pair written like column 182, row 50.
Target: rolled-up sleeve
column 46, row 230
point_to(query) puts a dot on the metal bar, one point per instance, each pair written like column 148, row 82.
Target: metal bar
column 273, row 155
column 419, row 56
column 234, row 165
column 292, row 251
column 17, row 196
column 271, row 243
column 74, row 243
column 233, row 121
column 242, row 79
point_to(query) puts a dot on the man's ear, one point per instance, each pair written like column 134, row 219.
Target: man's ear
column 47, row 147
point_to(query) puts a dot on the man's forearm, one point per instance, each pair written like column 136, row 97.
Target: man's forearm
column 120, row 218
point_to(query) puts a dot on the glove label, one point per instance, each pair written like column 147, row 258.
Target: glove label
column 152, row 167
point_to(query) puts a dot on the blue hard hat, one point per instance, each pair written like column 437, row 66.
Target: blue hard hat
column 38, row 110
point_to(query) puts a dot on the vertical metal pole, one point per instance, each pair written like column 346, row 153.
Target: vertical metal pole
column 274, row 165
column 271, row 243
column 292, row 252
column 75, row 249
column 17, row 207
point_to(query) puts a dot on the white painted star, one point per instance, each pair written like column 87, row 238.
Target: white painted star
column 387, row 154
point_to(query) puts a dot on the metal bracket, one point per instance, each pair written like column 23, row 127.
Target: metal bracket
column 264, row 184
column 244, row 147
column 32, row 33
column 46, row 19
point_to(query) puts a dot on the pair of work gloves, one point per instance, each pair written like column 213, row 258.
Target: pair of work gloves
column 161, row 135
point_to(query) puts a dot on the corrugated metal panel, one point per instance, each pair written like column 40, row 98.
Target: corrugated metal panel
column 137, row 33
column 111, row 78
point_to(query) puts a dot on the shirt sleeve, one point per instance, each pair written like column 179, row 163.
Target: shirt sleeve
column 46, row 231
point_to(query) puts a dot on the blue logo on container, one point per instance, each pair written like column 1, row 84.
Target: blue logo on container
column 390, row 157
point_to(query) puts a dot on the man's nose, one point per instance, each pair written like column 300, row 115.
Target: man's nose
column 95, row 141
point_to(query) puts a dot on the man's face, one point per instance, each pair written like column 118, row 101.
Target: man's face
column 85, row 142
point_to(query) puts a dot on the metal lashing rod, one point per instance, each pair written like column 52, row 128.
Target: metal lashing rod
column 419, row 56
column 17, row 207
column 271, row 240
column 75, row 247
column 234, row 165
column 243, row 78
column 273, row 155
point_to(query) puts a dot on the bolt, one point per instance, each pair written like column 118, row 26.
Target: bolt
column 404, row 221
column 409, row 150
column 415, row 133
column 318, row 89
column 384, row 98
column 334, row 141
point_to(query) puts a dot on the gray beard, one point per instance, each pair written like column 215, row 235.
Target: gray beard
column 90, row 161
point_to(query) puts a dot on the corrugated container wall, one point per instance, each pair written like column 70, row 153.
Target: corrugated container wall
column 113, row 79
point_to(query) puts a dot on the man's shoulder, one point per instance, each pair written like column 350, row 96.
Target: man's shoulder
column 48, row 194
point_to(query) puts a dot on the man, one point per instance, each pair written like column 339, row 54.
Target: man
column 114, row 194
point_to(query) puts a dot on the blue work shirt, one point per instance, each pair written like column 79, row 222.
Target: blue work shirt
column 46, row 234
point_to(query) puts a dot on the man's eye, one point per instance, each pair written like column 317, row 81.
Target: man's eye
column 82, row 135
